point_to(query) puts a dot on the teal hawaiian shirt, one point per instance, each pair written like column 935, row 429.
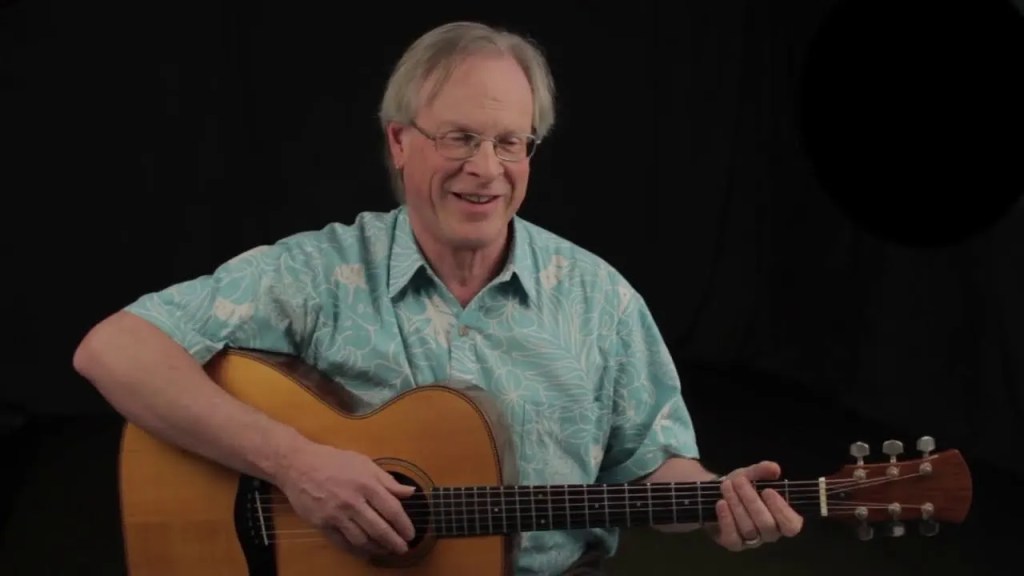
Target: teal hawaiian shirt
column 565, row 345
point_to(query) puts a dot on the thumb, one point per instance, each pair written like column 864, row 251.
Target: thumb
column 764, row 470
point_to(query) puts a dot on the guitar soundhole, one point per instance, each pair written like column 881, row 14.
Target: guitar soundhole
column 417, row 506
column 254, row 525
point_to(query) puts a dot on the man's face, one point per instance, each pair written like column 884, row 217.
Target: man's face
column 467, row 203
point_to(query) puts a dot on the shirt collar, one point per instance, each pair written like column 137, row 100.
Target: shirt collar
column 406, row 259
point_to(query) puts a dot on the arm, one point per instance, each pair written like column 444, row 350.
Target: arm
column 652, row 440
column 652, row 437
column 147, row 360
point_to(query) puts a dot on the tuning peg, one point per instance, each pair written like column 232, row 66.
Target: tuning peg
column 896, row 529
column 928, row 527
column 864, row 530
column 925, row 444
column 893, row 448
column 859, row 450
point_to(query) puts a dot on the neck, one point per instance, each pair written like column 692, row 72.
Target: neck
column 465, row 271
column 485, row 510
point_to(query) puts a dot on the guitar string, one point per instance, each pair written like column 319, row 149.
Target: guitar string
column 618, row 513
column 464, row 519
column 680, row 487
column 579, row 512
column 702, row 502
column 456, row 498
column 451, row 528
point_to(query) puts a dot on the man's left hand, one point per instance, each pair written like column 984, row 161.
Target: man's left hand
column 746, row 519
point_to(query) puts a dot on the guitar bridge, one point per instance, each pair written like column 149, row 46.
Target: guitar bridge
column 254, row 525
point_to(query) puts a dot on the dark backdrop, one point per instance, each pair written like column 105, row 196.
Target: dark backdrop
column 815, row 202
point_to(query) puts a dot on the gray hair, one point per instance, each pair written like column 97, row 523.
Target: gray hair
column 438, row 52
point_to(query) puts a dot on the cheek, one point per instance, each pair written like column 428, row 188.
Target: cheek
column 427, row 175
column 519, row 176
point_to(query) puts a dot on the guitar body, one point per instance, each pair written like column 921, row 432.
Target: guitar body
column 185, row 515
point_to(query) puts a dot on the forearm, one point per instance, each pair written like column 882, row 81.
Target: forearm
column 158, row 386
column 680, row 470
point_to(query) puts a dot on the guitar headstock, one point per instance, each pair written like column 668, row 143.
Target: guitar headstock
column 935, row 488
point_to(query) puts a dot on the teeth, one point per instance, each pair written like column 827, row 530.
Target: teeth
column 476, row 198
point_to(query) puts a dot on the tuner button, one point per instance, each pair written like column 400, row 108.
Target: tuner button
column 892, row 447
column 928, row 527
column 865, row 532
column 897, row 529
column 859, row 450
column 926, row 444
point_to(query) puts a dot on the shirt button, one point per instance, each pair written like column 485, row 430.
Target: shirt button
column 463, row 330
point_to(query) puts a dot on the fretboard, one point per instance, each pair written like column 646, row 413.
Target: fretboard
column 468, row 511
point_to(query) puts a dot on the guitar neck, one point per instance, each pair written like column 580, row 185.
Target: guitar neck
column 475, row 511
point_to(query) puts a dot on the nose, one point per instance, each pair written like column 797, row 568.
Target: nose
column 485, row 163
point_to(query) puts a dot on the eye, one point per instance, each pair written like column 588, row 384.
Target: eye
column 461, row 138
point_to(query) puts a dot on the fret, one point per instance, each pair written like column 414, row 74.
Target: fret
column 700, row 505
column 504, row 516
column 586, row 507
column 627, row 502
column 458, row 512
column 449, row 508
column 457, row 519
column 514, row 507
column 785, row 487
column 607, row 506
column 490, row 519
column 476, row 509
column 568, row 508
column 650, row 505
column 551, row 510
column 675, row 507
column 452, row 505
column 440, row 511
column 533, row 508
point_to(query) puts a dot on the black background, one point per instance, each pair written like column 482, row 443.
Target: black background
column 818, row 199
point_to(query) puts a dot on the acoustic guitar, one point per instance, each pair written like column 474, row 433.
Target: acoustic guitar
column 185, row 515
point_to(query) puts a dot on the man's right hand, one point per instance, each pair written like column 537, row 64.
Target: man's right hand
column 351, row 498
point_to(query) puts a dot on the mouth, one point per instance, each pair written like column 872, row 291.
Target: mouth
column 477, row 199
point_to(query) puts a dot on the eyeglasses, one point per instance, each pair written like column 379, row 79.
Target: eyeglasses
column 461, row 145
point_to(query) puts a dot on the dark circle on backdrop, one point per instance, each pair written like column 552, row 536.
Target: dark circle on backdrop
column 911, row 115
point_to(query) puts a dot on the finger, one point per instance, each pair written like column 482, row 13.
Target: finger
column 390, row 508
column 760, row 515
column 354, row 538
column 394, row 486
column 378, row 529
column 728, row 536
column 337, row 538
column 744, row 523
column 790, row 523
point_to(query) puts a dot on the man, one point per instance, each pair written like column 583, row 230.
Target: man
column 452, row 284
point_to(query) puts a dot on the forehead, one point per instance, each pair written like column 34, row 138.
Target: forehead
column 487, row 93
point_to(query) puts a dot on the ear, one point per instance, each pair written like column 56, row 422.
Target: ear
column 396, row 135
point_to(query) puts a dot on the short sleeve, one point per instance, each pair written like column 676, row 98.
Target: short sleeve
column 650, row 421
column 267, row 298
